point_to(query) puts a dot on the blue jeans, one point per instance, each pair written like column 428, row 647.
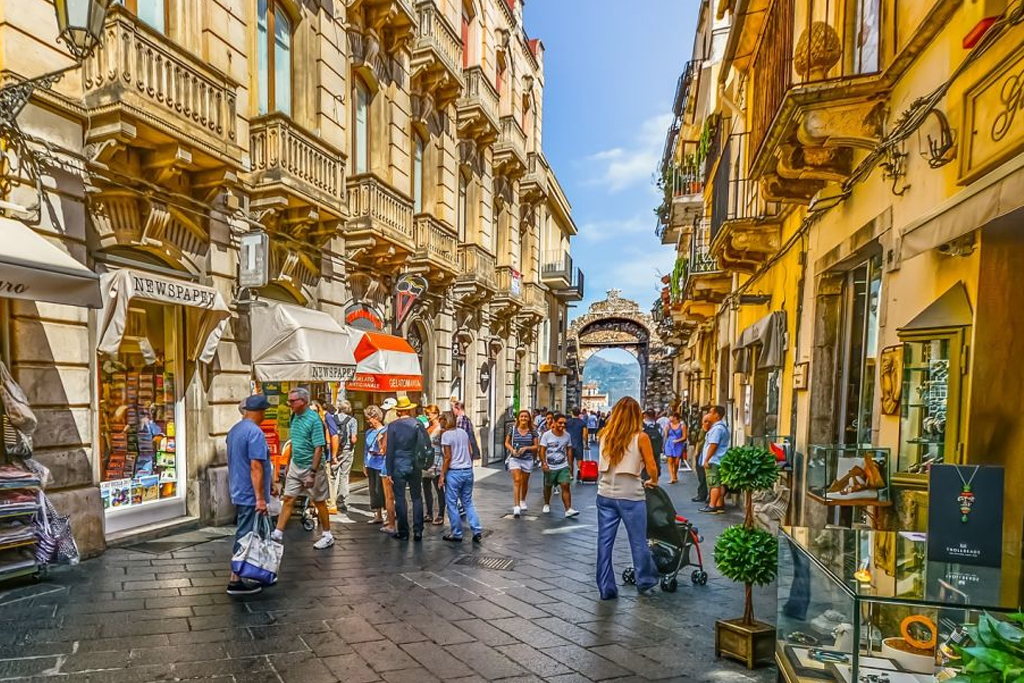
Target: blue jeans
column 633, row 513
column 246, row 516
column 458, row 486
column 402, row 477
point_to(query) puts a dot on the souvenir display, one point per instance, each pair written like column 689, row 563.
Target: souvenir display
column 850, row 614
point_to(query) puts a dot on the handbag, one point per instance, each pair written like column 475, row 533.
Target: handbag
column 56, row 542
column 258, row 557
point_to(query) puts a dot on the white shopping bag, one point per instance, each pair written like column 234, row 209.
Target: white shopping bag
column 259, row 556
column 274, row 506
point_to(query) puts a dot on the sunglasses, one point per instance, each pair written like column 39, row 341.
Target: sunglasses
column 296, row 400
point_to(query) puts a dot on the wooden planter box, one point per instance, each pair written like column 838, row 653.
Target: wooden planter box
column 748, row 644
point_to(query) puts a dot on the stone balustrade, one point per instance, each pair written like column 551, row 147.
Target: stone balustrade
column 281, row 150
column 386, row 212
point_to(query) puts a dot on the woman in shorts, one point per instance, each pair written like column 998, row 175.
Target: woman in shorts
column 521, row 444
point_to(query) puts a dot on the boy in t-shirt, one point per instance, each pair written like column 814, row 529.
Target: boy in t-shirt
column 556, row 458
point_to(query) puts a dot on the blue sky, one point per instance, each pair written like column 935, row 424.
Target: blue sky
column 610, row 75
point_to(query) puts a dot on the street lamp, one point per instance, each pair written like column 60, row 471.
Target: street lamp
column 81, row 25
column 81, row 29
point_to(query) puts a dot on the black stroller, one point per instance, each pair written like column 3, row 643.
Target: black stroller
column 671, row 537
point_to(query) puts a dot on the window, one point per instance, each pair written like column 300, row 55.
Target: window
column 361, row 127
column 462, row 208
column 499, row 81
column 418, row 146
column 467, row 21
column 274, row 57
column 861, row 297
column 152, row 12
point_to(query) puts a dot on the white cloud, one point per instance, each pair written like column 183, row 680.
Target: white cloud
column 606, row 229
column 619, row 168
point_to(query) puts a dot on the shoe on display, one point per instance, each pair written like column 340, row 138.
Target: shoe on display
column 324, row 542
column 243, row 588
column 546, row 509
column 571, row 512
column 516, row 511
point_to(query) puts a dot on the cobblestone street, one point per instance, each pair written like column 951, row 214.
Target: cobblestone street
column 373, row 609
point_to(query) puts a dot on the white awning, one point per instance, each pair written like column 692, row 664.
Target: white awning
column 206, row 313
column 34, row 269
column 296, row 344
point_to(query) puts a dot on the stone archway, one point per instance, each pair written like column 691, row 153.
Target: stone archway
column 614, row 323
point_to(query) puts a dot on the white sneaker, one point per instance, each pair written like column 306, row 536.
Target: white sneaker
column 546, row 509
column 516, row 511
column 276, row 535
column 326, row 541
column 522, row 506
column 571, row 512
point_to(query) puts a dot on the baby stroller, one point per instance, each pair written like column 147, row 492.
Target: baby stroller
column 671, row 537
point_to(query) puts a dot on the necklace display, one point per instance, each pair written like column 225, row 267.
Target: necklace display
column 966, row 498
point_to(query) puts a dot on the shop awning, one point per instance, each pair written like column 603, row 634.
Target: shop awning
column 296, row 344
column 991, row 197
column 952, row 309
column 770, row 333
column 386, row 363
column 206, row 313
column 34, row 269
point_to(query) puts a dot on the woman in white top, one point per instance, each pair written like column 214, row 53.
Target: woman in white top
column 457, row 480
column 625, row 451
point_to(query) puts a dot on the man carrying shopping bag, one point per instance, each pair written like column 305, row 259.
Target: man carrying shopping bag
column 249, row 477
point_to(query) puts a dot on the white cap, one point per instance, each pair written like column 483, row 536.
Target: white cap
column 389, row 403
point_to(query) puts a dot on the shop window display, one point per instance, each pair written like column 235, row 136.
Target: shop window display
column 848, row 473
column 867, row 606
column 927, row 386
column 139, row 412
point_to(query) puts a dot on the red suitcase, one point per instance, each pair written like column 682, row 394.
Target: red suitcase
column 588, row 472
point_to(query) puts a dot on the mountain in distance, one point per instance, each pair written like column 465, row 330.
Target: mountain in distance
column 615, row 379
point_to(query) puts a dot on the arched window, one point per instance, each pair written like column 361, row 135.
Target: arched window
column 273, row 57
column 462, row 207
column 153, row 12
column 361, row 127
column 418, row 150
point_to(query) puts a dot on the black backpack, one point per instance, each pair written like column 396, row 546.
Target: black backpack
column 424, row 449
column 657, row 440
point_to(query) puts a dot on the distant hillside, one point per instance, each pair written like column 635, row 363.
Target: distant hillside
column 615, row 379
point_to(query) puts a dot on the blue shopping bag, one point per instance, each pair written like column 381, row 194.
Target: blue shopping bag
column 259, row 556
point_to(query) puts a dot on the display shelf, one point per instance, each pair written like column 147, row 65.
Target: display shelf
column 14, row 567
column 851, row 602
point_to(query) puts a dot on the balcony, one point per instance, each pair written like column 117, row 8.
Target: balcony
column 477, row 280
column 535, row 303
column 508, row 297
column 510, row 149
column 436, row 57
column 688, row 82
column 437, row 254
column 575, row 290
column 823, row 77
column 144, row 92
column 745, row 230
column 682, row 186
column 556, row 269
column 293, row 169
column 534, row 185
column 477, row 109
column 379, row 230
column 705, row 280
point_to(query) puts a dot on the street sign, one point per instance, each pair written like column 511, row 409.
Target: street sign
column 253, row 259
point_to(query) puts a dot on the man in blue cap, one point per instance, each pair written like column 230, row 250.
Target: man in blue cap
column 249, row 477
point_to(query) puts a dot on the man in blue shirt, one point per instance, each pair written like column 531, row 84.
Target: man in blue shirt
column 577, row 429
column 248, row 477
column 716, row 443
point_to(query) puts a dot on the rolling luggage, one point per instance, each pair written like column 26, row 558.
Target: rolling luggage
column 587, row 473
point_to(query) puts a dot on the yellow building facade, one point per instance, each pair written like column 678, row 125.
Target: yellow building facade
column 368, row 140
column 855, row 237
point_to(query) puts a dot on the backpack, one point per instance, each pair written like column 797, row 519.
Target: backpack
column 424, row 459
column 657, row 440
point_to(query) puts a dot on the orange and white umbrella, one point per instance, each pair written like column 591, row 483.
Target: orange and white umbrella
column 385, row 363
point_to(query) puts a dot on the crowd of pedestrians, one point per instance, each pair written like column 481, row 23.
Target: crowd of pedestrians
column 419, row 462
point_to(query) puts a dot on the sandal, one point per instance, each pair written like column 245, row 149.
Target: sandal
column 451, row 539
column 438, row 521
column 376, row 521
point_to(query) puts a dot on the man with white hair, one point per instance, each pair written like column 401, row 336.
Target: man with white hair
column 307, row 474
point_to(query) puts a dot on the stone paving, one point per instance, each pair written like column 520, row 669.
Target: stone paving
column 375, row 609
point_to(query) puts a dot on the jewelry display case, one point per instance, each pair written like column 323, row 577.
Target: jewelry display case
column 859, row 606
column 848, row 475
column 930, row 409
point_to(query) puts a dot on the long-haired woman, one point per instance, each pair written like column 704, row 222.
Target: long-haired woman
column 625, row 451
column 432, row 475
column 521, row 444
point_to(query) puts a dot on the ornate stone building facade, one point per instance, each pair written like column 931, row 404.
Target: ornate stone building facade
column 367, row 139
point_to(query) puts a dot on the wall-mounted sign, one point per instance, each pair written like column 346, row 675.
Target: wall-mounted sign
column 800, row 376
column 965, row 514
column 253, row 259
column 485, row 377
column 992, row 129
column 363, row 316
column 409, row 289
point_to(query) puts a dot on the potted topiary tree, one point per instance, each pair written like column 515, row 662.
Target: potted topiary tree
column 748, row 555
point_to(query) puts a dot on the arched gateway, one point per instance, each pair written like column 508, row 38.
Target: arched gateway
column 617, row 323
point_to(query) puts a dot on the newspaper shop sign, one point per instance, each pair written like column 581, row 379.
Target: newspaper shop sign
column 171, row 292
